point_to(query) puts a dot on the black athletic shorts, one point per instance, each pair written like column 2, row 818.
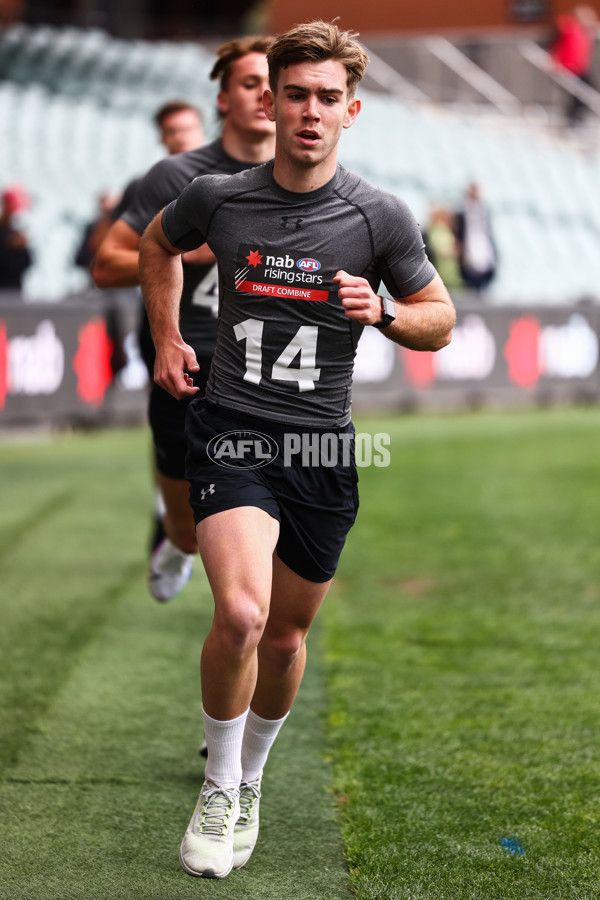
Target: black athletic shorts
column 304, row 477
column 146, row 344
column 167, row 421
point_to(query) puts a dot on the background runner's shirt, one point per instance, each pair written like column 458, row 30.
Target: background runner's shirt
column 285, row 348
column 163, row 183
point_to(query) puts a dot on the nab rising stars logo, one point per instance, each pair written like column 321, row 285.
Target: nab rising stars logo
column 273, row 273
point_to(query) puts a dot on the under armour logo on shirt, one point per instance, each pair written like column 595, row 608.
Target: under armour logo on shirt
column 292, row 221
column 209, row 490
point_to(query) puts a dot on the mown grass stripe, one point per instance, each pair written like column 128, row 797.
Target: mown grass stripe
column 113, row 773
column 67, row 567
column 107, row 774
column 462, row 658
column 42, row 514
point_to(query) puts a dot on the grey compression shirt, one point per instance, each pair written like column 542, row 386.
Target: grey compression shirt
column 285, row 348
column 163, row 183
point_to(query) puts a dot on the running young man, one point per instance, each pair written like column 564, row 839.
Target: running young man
column 302, row 247
column 180, row 126
column 181, row 129
column 247, row 139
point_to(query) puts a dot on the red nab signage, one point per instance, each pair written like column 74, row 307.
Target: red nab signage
column 268, row 273
column 92, row 362
column 57, row 362
column 497, row 354
column 3, row 364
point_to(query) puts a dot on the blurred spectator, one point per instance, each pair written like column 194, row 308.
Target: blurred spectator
column 476, row 249
column 15, row 256
column 441, row 246
column 572, row 50
column 95, row 231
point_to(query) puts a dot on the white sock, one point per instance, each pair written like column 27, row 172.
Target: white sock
column 259, row 737
column 224, row 743
column 174, row 550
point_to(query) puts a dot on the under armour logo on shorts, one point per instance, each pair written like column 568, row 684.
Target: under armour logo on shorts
column 209, row 490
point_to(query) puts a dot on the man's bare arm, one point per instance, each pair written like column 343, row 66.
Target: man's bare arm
column 161, row 279
column 117, row 260
column 424, row 320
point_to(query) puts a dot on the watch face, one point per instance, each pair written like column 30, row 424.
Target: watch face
column 389, row 311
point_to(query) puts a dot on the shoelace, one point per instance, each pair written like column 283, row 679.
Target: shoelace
column 217, row 808
column 249, row 794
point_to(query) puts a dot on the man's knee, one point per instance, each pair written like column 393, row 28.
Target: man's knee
column 283, row 649
column 239, row 625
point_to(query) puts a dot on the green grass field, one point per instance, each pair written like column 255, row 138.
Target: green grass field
column 445, row 740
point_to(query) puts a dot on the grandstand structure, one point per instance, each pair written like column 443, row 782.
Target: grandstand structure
column 76, row 109
column 76, row 118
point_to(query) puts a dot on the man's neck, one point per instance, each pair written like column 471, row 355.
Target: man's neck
column 302, row 179
column 249, row 149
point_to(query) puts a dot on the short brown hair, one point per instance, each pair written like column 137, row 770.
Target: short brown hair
column 175, row 106
column 318, row 41
column 231, row 51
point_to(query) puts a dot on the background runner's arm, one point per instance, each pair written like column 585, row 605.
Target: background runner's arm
column 424, row 320
column 161, row 279
column 116, row 262
column 203, row 256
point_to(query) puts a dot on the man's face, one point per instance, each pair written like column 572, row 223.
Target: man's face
column 311, row 107
column 242, row 102
column 182, row 131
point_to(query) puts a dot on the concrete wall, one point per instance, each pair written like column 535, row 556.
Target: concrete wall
column 404, row 16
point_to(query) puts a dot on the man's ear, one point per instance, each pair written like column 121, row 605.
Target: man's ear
column 223, row 103
column 269, row 105
column 353, row 111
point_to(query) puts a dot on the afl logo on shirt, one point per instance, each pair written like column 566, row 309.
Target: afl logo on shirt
column 309, row 265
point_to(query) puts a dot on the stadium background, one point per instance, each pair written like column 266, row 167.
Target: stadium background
column 445, row 741
column 455, row 92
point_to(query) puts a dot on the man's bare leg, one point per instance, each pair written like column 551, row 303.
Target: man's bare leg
column 173, row 557
column 237, row 548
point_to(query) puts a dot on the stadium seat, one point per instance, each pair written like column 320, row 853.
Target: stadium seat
column 76, row 111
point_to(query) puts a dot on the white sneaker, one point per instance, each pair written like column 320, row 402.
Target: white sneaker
column 207, row 846
column 169, row 571
column 245, row 832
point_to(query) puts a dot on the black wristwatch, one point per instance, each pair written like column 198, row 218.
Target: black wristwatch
column 388, row 313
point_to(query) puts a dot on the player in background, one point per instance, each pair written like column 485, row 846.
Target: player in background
column 302, row 246
column 247, row 139
column 180, row 128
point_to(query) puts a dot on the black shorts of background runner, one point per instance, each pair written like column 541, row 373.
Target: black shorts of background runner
column 316, row 505
column 146, row 344
column 167, row 421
